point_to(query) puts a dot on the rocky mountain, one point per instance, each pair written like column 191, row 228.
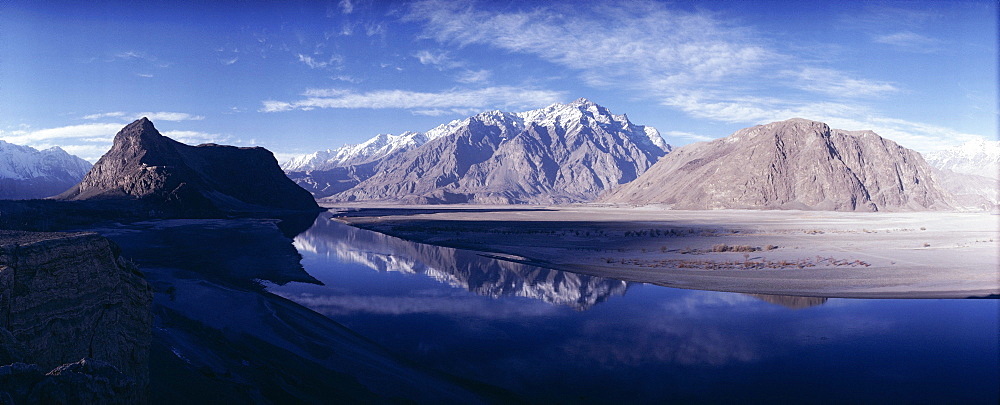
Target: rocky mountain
column 27, row 173
column 979, row 157
column 66, row 297
column 970, row 192
column 793, row 164
column 173, row 177
column 562, row 153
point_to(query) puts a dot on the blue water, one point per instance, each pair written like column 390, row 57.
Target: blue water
column 548, row 336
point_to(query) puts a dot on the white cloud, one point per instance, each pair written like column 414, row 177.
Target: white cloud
column 34, row 137
column 169, row 116
column 195, row 137
column 146, row 75
column 474, row 76
column 333, row 62
column 88, row 141
column 907, row 40
column 116, row 114
column 440, row 60
column 688, row 135
column 838, row 84
column 229, row 61
column 346, row 7
column 490, row 97
column 688, row 61
column 153, row 116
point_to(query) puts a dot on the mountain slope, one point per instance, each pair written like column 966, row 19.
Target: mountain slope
column 171, row 176
column 793, row 164
column 27, row 173
column 562, row 153
column 979, row 157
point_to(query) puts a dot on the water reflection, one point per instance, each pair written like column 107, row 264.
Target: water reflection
column 790, row 301
column 459, row 268
column 655, row 345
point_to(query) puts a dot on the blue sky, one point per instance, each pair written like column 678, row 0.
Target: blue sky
column 296, row 77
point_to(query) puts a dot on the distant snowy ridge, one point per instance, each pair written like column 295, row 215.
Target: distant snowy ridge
column 979, row 157
column 24, row 162
column 26, row 172
column 579, row 112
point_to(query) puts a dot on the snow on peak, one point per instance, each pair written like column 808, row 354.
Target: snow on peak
column 978, row 156
column 24, row 162
column 581, row 112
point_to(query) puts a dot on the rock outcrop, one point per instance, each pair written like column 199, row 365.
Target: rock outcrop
column 27, row 173
column 793, row 164
column 69, row 296
column 84, row 382
column 173, row 177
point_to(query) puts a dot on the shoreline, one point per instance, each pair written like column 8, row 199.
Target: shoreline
column 921, row 255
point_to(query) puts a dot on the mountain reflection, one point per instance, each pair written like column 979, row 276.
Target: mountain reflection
column 789, row 301
column 460, row 268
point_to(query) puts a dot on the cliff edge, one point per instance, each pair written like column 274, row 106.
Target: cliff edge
column 66, row 297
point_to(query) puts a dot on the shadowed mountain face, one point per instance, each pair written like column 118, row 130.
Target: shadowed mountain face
column 562, row 153
column 170, row 176
column 460, row 268
column 793, row 164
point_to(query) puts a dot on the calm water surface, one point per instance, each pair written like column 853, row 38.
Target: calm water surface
column 550, row 336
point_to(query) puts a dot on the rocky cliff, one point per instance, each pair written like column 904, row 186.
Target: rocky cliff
column 793, row 164
column 69, row 296
column 173, row 177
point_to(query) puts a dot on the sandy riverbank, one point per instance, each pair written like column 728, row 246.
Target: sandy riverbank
column 806, row 253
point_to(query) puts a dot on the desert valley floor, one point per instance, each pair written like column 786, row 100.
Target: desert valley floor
column 804, row 253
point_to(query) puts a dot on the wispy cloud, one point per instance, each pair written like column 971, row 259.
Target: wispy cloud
column 443, row 61
column 439, row 59
column 170, row 116
column 116, row 114
column 478, row 99
column 91, row 140
column 346, row 7
column 196, row 137
column 837, row 83
column 688, row 136
column 908, row 40
column 154, row 116
column 473, row 76
column 332, row 62
column 688, row 61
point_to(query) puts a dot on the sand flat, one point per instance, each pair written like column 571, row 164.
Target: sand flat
column 806, row 253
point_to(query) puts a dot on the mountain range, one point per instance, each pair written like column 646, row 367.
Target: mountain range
column 792, row 164
column 559, row 154
column 175, row 178
column 27, row 173
column 978, row 157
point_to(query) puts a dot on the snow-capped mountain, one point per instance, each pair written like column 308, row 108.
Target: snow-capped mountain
column 562, row 153
column 385, row 145
column 380, row 146
column 979, row 157
column 26, row 172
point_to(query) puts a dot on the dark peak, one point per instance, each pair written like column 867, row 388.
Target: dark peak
column 141, row 128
